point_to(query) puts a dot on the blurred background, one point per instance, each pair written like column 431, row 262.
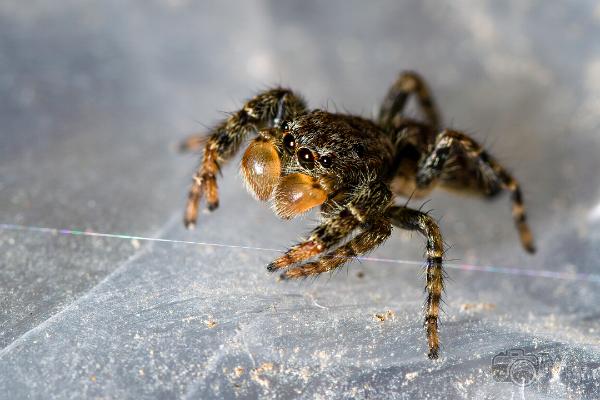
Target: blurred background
column 94, row 97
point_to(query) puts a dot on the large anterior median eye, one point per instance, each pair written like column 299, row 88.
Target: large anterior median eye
column 306, row 158
column 289, row 143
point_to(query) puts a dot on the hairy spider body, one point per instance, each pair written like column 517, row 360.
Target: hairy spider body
column 351, row 167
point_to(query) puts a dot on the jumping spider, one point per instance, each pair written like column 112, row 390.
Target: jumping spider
column 352, row 167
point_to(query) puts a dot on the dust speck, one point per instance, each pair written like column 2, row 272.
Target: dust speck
column 258, row 374
column 210, row 323
column 410, row 376
column 476, row 307
column 389, row 314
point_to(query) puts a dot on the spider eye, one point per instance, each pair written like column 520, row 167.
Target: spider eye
column 289, row 143
column 306, row 158
column 359, row 149
column 325, row 161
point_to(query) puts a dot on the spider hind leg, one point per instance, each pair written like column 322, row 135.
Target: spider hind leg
column 487, row 176
column 408, row 83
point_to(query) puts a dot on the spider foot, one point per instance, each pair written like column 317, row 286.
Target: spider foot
column 433, row 354
column 296, row 254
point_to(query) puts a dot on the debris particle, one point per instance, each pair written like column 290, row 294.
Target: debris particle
column 389, row 314
column 360, row 274
column 410, row 376
column 257, row 376
column 239, row 371
column 210, row 323
column 477, row 307
column 135, row 243
column 264, row 367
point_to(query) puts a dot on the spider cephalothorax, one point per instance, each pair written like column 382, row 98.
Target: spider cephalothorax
column 311, row 159
column 351, row 167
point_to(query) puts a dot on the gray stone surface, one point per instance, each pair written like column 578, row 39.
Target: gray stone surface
column 93, row 99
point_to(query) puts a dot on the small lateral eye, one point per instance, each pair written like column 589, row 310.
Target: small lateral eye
column 359, row 149
column 325, row 161
column 289, row 143
column 306, row 158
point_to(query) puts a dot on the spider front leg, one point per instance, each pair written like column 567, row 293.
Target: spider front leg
column 373, row 234
column 491, row 172
column 414, row 220
column 269, row 109
column 408, row 83
column 364, row 210
column 323, row 237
